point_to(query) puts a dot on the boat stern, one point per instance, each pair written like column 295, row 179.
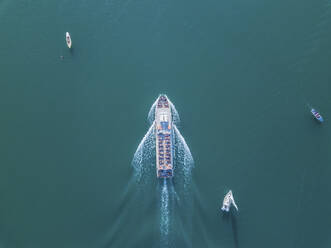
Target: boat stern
column 164, row 173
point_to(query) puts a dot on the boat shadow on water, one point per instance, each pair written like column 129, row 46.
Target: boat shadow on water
column 67, row 54
column 72, row 51
column 231, row 217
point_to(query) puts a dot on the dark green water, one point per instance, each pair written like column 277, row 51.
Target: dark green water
column 240, row 73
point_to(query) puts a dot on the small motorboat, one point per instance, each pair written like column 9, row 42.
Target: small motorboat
column 317, row 115
column 228, row 201
column 68, row 40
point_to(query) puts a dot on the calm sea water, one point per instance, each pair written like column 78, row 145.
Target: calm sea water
column 241, row 75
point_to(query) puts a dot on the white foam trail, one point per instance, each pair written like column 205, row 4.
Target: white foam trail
column 174, row 113
column 151, row 113
column 144, row 153
column 164, row 222
column 184, row 159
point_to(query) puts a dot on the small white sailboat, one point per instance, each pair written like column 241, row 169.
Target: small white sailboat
column 68, row 40
column 228, row 201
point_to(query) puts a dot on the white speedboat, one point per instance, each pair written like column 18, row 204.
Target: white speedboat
column 68, row 40
column 228, row 201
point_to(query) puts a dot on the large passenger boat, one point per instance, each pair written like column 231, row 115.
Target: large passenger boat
column 163, row 121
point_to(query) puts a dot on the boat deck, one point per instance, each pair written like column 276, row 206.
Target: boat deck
column 164, row 165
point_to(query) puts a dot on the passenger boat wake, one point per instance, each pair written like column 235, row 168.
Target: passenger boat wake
column 163, row 156
column 165, row 214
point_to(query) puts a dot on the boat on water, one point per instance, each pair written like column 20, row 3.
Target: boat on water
column 228, row 201
column 163, row 136
column 317, row 115
column 68, row 40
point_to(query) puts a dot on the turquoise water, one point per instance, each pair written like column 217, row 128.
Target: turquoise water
column 240, row 73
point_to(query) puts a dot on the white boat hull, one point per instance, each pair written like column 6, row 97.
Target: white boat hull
column 228, row 201
column 68, row 40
